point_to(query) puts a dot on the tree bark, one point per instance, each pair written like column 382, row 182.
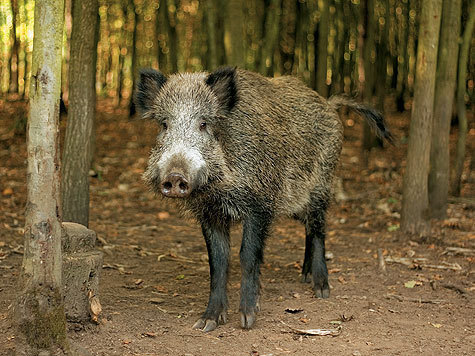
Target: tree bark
column 443, row 104
column 78, row 143
column 415, row 215
column 321, row 75
column 271, row 35
column 39, row 307
column 461, row 87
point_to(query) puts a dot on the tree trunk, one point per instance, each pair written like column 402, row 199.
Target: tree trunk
column 211, row 22
column 171, row 21
column 39, row 308
column 322, row 51
column 369, row 58
column 461, row 87
column 13, row 60
column 236, row 32
column 133, row 65
column 415, row 215
column 443, row 104
column 271, row 36
column 79, row 140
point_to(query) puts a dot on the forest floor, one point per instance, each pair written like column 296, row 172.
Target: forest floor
column 155, row 283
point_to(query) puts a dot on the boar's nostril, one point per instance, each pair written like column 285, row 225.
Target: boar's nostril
column 175, row 185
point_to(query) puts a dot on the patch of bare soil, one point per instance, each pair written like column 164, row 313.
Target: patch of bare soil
column 155, row 281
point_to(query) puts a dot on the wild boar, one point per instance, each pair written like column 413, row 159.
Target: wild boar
column 234, row 146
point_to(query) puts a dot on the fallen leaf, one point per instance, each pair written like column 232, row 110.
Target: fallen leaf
column 95, row 307
column 341, row 280
column 438, row 326
column 163, row 215
column 7, row 191
column 149, row 334
column 410, row 284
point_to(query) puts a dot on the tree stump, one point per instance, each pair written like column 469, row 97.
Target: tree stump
column 82, row 267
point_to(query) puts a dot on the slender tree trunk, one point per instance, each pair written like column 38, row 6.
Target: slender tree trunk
column 171, row 21
column 13, row 62
column 415, row 215
column 133, row 65
column 236, row 32
column 79, row 140
column 461, row 87
column 211, row 22
column 39, row 308
column 271, row 36
column 443, row 104
column 322, row 48
column 369, row 58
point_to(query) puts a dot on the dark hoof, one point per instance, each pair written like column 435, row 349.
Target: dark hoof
column 306, row 278
column 322, row 291
column 248, row 320
column 248, row 317
column 206, row 325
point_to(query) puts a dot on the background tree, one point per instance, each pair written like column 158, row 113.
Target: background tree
column 235, row 29
column 270, row 39
column 415, row 215
column 322, row 51
column 461, row 110
column 443, row 106
column 39, row 309
column 78, row 143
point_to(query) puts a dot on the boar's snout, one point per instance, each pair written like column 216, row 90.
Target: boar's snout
column 175, row 185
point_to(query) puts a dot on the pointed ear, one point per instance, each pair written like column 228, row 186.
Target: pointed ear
column 151, row 81
column 223, row 83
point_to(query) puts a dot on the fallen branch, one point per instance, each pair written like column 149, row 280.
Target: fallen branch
column 381, row 263
column 422, row 263
column 315, row 332
column 414, row 300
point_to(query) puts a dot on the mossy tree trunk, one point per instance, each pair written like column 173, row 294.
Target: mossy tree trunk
column 415, row 215
column 461, row 88
column 443, row 105
column 39, row 307
column 78, row 143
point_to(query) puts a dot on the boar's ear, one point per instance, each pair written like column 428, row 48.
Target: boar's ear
column 151, row 81
column 223, row 83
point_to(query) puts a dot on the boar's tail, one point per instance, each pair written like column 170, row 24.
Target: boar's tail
column 373, row 117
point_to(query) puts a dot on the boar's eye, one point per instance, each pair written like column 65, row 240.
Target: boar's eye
column 202, row 125
column 164, row 125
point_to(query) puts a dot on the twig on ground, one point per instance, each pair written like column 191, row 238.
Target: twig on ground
column 414, row 300
column 381, row 263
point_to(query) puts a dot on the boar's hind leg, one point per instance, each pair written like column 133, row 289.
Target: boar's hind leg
column 314, row 260
column 255, row 231
column 217, row 243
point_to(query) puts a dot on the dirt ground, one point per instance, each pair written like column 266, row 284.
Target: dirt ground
column 155, row 283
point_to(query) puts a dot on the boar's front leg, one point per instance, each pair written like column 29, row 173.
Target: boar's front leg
column 217, row 242
column 255, row 231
